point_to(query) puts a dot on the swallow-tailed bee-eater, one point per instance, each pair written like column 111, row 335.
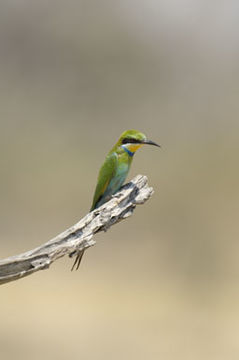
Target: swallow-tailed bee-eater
column 115, row 169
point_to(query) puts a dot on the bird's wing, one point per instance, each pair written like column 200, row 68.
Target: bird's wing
column 106, row 173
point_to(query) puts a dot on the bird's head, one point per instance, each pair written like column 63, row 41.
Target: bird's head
column 132, row 140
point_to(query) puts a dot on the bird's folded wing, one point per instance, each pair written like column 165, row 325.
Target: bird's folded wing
column 106, row 173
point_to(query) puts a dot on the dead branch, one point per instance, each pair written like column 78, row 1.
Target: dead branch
column 80, row 235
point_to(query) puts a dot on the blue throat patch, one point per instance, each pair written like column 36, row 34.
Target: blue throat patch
column 130, row 153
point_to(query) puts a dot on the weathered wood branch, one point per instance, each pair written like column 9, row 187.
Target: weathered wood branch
column 78, row 236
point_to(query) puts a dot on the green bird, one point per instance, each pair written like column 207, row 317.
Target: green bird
column 114, row 170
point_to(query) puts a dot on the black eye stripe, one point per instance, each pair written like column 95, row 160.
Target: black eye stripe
column 130, row 141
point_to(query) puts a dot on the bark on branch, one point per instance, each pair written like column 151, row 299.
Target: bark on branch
column 80, row 235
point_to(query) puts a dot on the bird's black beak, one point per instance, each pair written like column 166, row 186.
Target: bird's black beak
column 149, row 142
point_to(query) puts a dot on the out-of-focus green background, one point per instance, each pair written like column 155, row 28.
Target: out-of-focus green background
column 165, row 283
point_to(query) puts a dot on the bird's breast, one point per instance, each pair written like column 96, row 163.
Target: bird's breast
column 119, row 177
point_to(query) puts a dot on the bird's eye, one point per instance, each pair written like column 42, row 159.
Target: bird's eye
column 130, row 141
column 125, row 141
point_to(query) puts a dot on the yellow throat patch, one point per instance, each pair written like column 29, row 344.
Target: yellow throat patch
column 134, row 147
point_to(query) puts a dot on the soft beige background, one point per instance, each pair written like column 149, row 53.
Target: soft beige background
column 75, row 74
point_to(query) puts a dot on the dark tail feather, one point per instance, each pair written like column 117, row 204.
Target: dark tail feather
column 78, row 260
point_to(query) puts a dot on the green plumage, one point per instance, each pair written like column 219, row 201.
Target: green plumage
column 111, row 176
column 114, row 170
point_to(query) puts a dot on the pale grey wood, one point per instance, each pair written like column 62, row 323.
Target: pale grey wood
column 80, row 235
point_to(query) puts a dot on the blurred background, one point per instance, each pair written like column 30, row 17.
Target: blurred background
column 74, row 75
